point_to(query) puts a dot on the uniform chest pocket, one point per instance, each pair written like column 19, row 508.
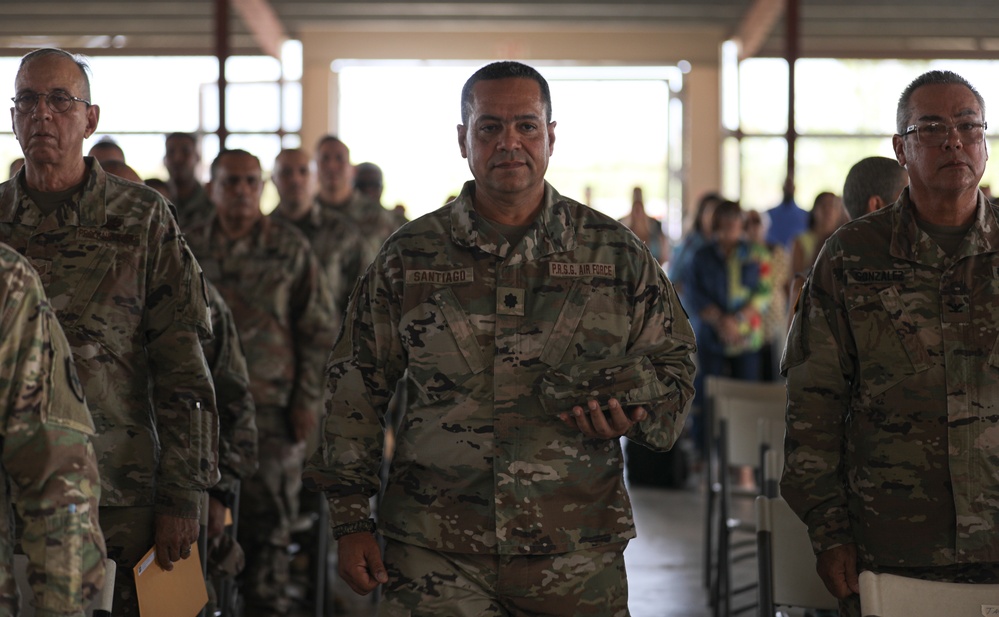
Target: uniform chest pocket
column 443, row 350
column 888, row 345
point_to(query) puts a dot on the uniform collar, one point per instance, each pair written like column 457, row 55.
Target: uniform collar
column 85, row 209
column 912, row 243
column 552, row 232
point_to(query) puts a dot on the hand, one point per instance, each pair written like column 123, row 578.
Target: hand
column 728, row 330
column 838, row 569
column 360, row 562
column 174, row 537
column 596, row 425
column 216, row 517
column 303, row 423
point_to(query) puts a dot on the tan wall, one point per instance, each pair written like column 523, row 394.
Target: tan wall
column 614, row 46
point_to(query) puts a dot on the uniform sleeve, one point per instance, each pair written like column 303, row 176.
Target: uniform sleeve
column 237, row 413
column 312, row 322
column 662, row 332
column 183, row 396
column 818, row 365
column 363, row 369
column 47, row 455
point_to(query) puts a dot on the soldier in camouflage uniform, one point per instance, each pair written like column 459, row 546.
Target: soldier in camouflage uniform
column 534, row 333
column 358, row 218
column 892, row 447
column 270, row 280
column 45, row 451
column 129, row 296
column 187, row 194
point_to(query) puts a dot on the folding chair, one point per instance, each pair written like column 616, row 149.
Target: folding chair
column 889, row 595
column 100, row 605
column 734, row 411
column 786, row 561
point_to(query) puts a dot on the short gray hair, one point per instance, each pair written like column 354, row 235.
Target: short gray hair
column 78, row 60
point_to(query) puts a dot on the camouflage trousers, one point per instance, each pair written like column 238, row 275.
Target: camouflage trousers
column 129, row 533
column 424, row 582
column 268, row 505
column 979, row 573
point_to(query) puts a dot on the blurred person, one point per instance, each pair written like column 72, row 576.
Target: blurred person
column 496, row 308
column 122, row 170
column 730, row 311
column 369, row 180
column 107, row 149
column 826, row 216
column 270, row 280
column 775, row 318
column 128, row 294
column 892, row 446
column 648, row 229
column 871, row 184
column 338, row 198
column 47, row 464
column 697, row 236
column 787, row 219
column 160, row 186
column 188, row 196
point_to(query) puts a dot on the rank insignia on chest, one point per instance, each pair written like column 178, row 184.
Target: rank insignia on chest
column 509, row 301
column 44, row 270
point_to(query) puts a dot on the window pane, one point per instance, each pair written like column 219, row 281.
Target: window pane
column 252, row 107
column 764, row 166
column 822, row 164
column 763, row 95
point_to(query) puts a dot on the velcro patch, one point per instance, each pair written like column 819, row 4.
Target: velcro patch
column 556, row 268
column 440, row 277
column 97, row 233
column 857, row 275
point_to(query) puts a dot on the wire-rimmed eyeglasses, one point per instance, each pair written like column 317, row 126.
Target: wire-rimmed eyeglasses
column 57, row 101
column 936, row 134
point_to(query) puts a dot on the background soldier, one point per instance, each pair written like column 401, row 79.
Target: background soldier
column 45, row 453
column 128, row 294
column 270, row 280
column 187, row 194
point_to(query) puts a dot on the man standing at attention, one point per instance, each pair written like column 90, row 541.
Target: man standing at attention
column 129, row 296
column 187, row 194
column 892, row 443
column 270, row 280
column 534, row 333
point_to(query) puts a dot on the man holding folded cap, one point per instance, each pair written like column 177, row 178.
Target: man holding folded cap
column 534, row 332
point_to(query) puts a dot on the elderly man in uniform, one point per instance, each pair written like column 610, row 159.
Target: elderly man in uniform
column 892, row 444
column 271, row 282
column 129, row 296
column 45, row 453
column 534, row 333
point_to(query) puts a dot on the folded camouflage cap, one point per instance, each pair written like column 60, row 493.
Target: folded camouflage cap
column 631, row 380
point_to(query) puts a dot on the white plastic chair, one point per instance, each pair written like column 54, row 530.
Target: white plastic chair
column 889, row 595
column 100, row 605
column 786, row 561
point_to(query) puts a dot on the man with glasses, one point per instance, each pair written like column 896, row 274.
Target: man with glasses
column 892, row 447
column 128, row 294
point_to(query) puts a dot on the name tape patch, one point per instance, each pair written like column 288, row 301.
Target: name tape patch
column 440, row 277
column 878, row 276
column 573, row 269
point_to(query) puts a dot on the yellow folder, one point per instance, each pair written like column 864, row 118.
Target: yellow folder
column 178, row 593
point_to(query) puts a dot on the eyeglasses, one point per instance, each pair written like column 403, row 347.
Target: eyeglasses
column 936, row 134
column 59, row 102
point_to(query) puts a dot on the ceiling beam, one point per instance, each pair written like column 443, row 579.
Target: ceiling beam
column 264, row 24
column 756, row 26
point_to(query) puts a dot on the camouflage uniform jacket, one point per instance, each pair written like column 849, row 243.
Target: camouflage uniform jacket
column 130, row 298
column 47, row 458
column 237, row 420
column 892, row 365
column 338, row 245
column 194, row 210
column 372, row 223
column 270, row 280
column 480, row 466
